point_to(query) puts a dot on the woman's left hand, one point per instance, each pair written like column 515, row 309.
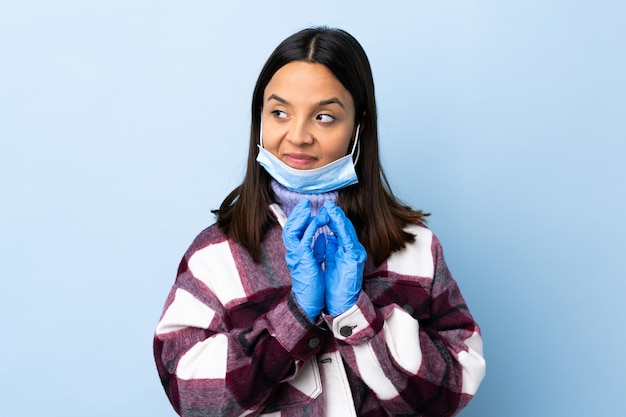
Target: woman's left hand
column 345, row 259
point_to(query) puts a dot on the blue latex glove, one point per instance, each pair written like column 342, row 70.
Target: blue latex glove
column 304, row 262
column 345, row 259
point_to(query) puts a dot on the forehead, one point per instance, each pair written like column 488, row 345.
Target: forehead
column 306, row 79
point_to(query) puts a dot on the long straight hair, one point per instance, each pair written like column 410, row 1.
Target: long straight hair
column 378, row 217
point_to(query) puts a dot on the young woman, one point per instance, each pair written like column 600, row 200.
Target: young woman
column 316, row 293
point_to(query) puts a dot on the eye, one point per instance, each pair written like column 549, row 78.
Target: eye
column 279, row 114
column 325, row 118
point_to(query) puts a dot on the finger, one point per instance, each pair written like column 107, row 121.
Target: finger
column 300, row 211
column 340, row 224
column 331, row 250
column 309, row 232
column 322, row 216
column 347, row 239
column 319, row 248
column 296, row 223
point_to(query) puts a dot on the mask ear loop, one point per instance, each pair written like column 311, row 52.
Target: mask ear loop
column 261, row 133
column 354, row 146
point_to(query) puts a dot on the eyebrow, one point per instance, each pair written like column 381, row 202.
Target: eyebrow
column 277, row 98
column 333, row 100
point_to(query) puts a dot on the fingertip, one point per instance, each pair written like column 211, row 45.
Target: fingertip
column 334, row 211
column 323, row 217
column 310, row 230
column 320, row 243
column 302, row 206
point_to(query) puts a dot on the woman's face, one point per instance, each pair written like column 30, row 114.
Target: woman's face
column 308, row 116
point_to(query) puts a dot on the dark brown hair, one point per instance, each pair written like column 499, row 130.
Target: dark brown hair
column 377, row 215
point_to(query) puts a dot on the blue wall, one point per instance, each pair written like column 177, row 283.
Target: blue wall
column 122, row 123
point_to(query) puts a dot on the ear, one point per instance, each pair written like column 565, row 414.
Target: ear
column 362, row 121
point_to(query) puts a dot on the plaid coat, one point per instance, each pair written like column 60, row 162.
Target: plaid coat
column 232, row 340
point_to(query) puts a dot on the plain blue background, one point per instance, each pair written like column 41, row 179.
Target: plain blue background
column 122, row 123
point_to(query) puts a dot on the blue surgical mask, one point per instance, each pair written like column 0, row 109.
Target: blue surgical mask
column 333, row 176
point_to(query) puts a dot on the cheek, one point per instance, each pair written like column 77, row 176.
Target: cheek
column 338, row 146
column 270, row 140
column 335, row 153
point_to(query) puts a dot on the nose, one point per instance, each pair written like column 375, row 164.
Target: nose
column 300, row 133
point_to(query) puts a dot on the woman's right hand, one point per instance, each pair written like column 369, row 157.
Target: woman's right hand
column 305, row 264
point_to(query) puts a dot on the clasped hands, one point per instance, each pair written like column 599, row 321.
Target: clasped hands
column 328, row 272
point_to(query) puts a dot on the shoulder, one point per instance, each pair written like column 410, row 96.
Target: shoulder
column 425, row 237
column 419, row 230
column 215, row 264
column 208, row 237
column 419, row 257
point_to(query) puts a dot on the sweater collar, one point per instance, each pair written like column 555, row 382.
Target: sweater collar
column 288, row 199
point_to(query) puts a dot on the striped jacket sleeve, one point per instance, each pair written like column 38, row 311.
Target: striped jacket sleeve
column 209, row 365
column 411, row 338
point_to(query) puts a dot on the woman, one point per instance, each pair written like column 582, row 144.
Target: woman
column 348, row 309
